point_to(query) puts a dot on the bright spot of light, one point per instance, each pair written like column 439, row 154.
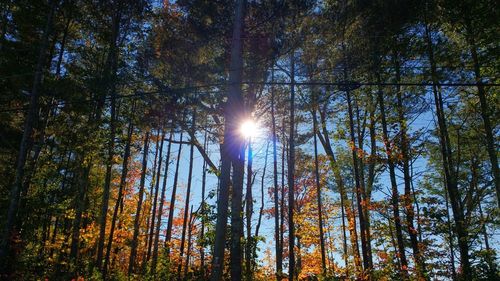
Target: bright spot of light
column 249, row 129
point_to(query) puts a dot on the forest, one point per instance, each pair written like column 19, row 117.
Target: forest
column 249, row 140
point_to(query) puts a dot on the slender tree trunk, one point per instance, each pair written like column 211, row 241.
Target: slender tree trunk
column 149, row 197
column 344, row 237
column 448, row 166
column 394, row 188
column 123, row 179
column 237, row 214
column 171, row 208
column 359, row 189
column 137, row 219
column 318, row 191
column 278, row 247
column 111, row 80
column 291, row 174
column 189, row 246
column 492, row 270
column 450, row 238
column 188, row 194
column 155, row 199
column 261, row 210
column 282, row 198
column 230, row 150
column 249, row 212
column 351, row 219
column 160, row 208
column 26, row 140
column 408, row 202
column 484, row 110
column 203, row 209
column 80, row 206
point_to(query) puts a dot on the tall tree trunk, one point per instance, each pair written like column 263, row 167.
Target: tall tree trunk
column 171, row 208
column 351, row 219
column 26, row 140
column 137, row 219
column 249, row 212
column 318, row 191
column 291, row 174
column 155, row 198
column 149, row 197
column 394, row 188
column 492, row 268
column 261, row 210
column 123, row 179
column 450, row 238
column 203, row 209
column 160, row 208
column 230, row 150
column 282, row 198
column 188, row 194
column 278, row 247
column 448, row 166
column 405, row 153
column 189, row 246
column 110, row 75
column 360, row 193
column 484, row 109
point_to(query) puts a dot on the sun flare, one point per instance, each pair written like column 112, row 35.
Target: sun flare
column 249, row 129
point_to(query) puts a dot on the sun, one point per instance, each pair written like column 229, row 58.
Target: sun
column 249, row 129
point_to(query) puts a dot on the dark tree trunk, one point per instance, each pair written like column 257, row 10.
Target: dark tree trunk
column 155, row 198
column 133, row 250
column 394, row 188
column 249, row 212
column 291, row 174
column 261, row 210
column 119, row 198
column 408, row 202
column 110, row 75
column 160, row 208
column 171, row 208
column 278, row 247
column 188, row 194
column 318, row 191
column 26, row 140
column 189, row 246
column 450, row 176
column 484, row 110
column 203, row 209
column 345, row 202
column 360, row 192
column 149, row 197
column 231, row 151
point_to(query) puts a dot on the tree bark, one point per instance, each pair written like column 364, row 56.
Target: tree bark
column 318, row 191
column 155, row 198
column 408, row 202
column 188, row 194
column 231, row 148
column 160, row 208
column 171, row 208
column 291, row 174
column 26, row 139
column 394, row 188
column 111, row 80
column 249, row 212
column 119, row 198
column 203, row 209
column 133, row 250
column 484, row 110
column 448, row 166
column 278, row 247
